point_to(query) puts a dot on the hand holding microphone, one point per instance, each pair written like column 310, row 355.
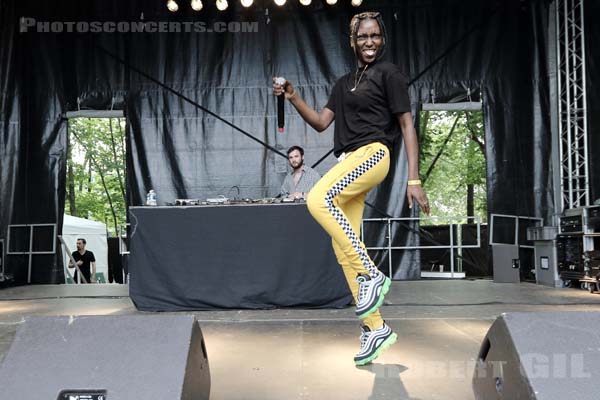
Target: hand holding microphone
column 283, row 89
column 283, row 86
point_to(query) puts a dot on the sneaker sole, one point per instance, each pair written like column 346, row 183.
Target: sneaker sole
column 384, row 290
column 387, row 343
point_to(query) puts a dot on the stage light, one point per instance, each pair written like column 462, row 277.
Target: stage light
column 247, row 3
column 280, row 2
column 196, row 5
column 356, row 3
column 222, row 5
column 331, row 2
column 305, row 2
column 172, row 6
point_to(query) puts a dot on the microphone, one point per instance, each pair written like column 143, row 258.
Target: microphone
column 280, row 114
column 280, row 106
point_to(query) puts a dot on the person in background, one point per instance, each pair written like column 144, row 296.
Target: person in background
column 298, row 183
column 85, row 261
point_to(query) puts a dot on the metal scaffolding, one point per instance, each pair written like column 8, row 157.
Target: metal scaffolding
column 572, row 104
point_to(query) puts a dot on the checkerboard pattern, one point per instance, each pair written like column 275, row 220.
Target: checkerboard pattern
column 341, row 218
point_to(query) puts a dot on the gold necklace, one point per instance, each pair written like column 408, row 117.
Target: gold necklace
column 361, row 75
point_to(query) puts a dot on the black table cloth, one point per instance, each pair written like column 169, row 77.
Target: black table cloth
column 232, row 256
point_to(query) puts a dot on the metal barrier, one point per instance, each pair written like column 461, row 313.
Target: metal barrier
column 123, row 248
column 30, row 251
column 539, row 222
column 451, row 246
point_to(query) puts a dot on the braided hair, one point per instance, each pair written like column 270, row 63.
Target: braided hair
column 355, row 23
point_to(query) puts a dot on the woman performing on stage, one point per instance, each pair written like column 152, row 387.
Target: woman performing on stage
column 371, row 109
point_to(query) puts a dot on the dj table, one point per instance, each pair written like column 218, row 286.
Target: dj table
column 231, row 256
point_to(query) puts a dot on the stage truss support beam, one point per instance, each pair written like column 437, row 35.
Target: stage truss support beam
column 572, row 105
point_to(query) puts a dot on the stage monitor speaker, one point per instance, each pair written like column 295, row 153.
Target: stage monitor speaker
column 150, row 357
column 541, row 355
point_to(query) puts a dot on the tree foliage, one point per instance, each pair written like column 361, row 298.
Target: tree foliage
column 96, row 170
column 452, row 162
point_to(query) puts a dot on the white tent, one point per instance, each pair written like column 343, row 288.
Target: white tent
column 94, row 234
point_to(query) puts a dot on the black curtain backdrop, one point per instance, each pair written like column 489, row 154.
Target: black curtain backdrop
column 592, row 38
column 497, row 49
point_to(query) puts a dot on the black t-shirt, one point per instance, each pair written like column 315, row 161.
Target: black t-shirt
column 368, row 114
column 87, row 258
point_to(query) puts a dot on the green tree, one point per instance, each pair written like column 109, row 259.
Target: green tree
column 96, row 170
column 452, row 162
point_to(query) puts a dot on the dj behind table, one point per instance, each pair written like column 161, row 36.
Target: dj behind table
column 249, row 254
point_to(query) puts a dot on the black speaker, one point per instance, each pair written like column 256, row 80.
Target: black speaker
column 541, row 355
column 107, row 358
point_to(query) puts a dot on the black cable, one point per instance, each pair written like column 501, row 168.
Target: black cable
column 322, row 158
column 453, row 46
column 181, row 96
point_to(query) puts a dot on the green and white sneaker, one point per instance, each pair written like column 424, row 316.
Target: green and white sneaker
column 371, row 292
column 372, row 343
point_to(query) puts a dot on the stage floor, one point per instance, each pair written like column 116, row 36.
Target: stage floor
column 307, row 354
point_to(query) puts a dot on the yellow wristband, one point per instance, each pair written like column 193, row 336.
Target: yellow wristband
column 414, row 182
